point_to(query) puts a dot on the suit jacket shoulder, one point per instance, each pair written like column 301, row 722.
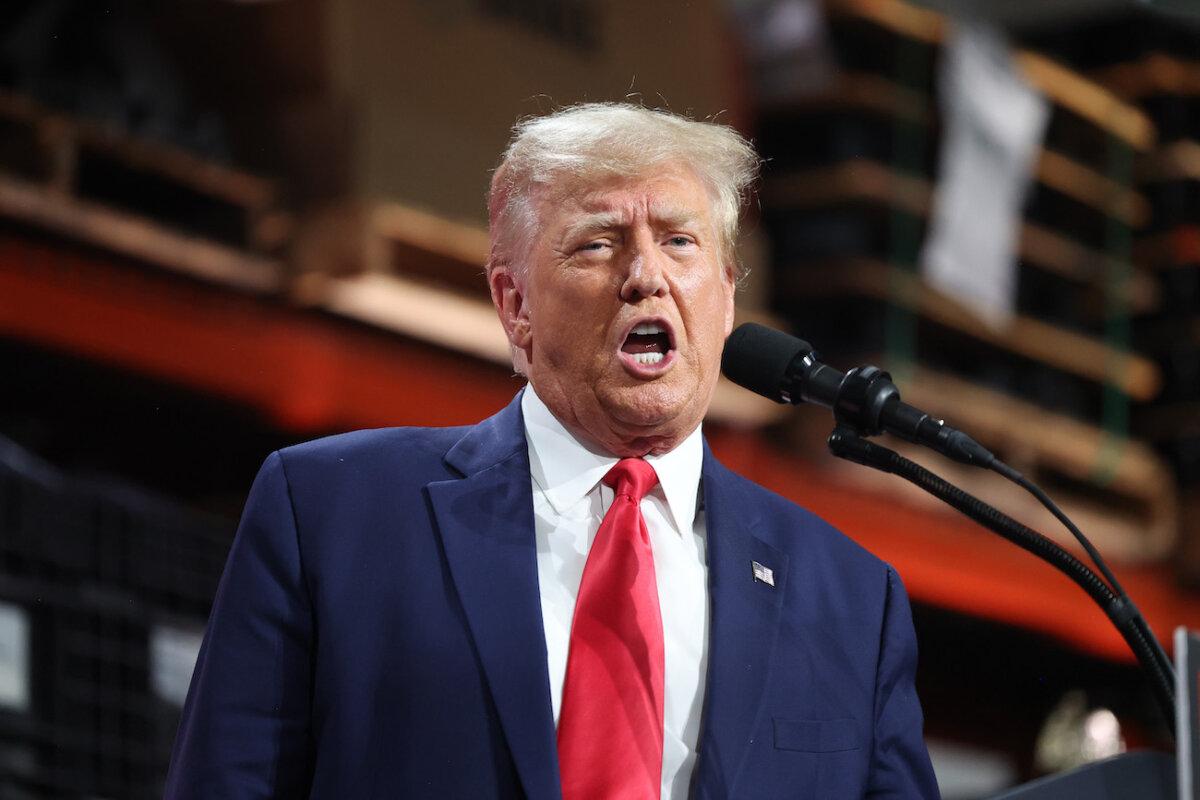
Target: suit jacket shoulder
column 370, row 453
column 342, row 657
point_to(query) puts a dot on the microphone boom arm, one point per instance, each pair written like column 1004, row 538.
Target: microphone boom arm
column 845, row 442
column 865, row 402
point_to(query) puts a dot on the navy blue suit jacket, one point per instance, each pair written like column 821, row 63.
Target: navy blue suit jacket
column 378, row 634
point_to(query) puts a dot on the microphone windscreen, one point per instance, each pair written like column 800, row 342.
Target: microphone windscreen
column 758, row 357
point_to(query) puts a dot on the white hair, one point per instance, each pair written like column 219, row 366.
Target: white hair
column 594, row 141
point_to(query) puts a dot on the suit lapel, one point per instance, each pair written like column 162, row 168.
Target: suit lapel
column 743, row 629
column 486, row 523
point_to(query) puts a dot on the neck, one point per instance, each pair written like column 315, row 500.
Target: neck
column 599, row 431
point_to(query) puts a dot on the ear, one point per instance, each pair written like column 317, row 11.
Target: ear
column 508, row 296
column 730, row 288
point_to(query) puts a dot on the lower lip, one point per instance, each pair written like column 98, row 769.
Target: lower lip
column 646, row 371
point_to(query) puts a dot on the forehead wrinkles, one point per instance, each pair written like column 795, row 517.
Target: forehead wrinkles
column 624, row 208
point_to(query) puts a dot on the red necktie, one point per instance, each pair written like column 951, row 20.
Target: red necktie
column 610, row 728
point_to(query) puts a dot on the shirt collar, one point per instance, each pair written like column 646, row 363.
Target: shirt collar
column 566, row 469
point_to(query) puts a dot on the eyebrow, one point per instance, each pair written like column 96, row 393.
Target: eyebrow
column 665, row 215
column 594, row 223
column 674, row 216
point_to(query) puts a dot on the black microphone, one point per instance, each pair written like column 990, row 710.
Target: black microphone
column 788, row 370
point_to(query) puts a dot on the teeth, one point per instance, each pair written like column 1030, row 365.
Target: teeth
column 648, row 328
column 647, row 358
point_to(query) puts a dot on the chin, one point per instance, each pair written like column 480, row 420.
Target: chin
column 648, row 405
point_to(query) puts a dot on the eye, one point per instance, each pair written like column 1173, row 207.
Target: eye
column 680, row 240
column 594, row 246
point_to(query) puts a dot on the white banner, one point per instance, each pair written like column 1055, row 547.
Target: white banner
column 173, row 653
column 993, row 127
column 14, row 658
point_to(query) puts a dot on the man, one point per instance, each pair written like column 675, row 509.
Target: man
column 572, row 598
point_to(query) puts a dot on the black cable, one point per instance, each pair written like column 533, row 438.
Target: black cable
column 1000, row 468
column 1016, row 477
column 846, row 443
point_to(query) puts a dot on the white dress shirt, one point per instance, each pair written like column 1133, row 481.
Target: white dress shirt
column 569, row 501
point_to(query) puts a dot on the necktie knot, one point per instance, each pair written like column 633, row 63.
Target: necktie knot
column 633, row 477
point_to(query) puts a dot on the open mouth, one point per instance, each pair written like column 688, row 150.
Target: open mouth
column 648, row 347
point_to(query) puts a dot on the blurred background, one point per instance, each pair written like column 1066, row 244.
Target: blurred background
column 226, row 227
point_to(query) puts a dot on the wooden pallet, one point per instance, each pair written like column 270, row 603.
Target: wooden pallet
column 422, row 244
column 1152, row 74
column 1177, row 161
column 860, row 91
column 861, row 180
column 1070, row 352
column 42, row 208
column 867, row 178
column 1064, row 174
column 1118, row 490
column 79, row 159
column 891, row 100
column 389, row 238
column 1064, row 87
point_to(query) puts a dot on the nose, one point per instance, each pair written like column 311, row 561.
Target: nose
column 644, row 275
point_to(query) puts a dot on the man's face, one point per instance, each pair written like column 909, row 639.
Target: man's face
column 623, row 309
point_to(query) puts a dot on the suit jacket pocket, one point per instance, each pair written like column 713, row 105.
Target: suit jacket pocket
column 815, row 735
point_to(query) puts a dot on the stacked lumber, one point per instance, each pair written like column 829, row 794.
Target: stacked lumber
column 847, row 202
column 1150, row 61
column 90, row 184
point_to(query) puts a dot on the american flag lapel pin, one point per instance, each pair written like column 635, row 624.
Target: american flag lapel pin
column 762, row 574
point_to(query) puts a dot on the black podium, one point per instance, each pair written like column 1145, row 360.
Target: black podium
column 1143, row 775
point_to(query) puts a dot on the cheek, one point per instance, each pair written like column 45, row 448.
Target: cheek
column 708, row 302
column 707, row 314
column 569, row 320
